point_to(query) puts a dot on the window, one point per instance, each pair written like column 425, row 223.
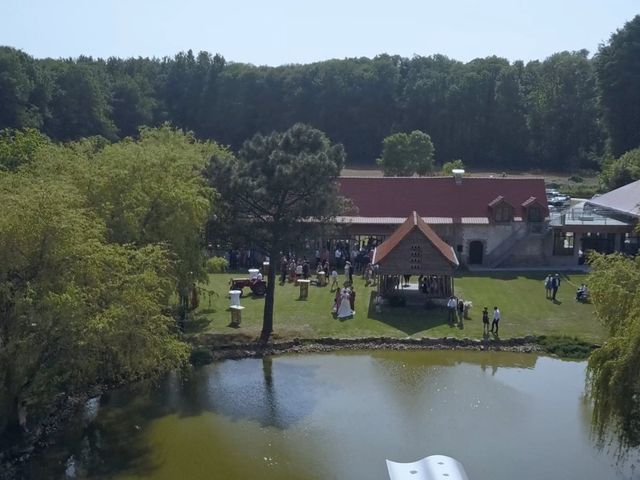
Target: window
column 415, row 257
column 534, row 214
column 502, row 213
column 563, row 243
column 601, row 242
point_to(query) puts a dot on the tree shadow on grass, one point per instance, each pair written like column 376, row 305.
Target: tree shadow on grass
column 506, row 275
column 409, row 319
column 514, row 275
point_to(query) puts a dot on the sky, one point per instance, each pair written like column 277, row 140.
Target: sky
column 280, row 32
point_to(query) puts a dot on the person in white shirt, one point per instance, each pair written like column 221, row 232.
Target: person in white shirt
column 496, row 320
column 451, row 308
column 582, row 292
column 334, row 279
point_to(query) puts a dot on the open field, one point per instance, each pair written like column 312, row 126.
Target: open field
column 586, row 188
column 550, row 177
column 519, row 295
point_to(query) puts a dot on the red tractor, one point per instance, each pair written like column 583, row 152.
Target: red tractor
column 257, row 285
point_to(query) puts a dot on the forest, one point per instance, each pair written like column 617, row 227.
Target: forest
column 567, row 112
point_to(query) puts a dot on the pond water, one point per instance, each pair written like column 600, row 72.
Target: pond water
column 339, row 416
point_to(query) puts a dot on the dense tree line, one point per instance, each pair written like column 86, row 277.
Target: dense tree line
column 559, row 113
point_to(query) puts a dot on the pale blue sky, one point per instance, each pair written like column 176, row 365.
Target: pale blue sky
column 286, row 31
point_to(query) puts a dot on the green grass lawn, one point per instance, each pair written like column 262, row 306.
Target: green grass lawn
column 519, row 295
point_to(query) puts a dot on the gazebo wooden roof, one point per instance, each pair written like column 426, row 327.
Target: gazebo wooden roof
column 415, row 249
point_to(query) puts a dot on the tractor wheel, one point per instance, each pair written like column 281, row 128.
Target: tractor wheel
column 259, row 289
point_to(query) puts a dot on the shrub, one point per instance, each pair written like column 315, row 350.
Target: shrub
column 576, row 179
column 448, row 167
column 566, row 347
column 217, row 265
column 580, row 190
column 201, row 356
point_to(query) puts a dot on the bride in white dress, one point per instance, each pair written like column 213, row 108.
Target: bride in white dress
column 344, row 310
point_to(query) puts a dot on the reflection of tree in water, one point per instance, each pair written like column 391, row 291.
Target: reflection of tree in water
column 99, row 444
column 614, row 369
column 109, row 436
column 277, row 395
column 616, row 397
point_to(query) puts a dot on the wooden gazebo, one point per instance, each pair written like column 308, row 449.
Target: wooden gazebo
column 415, row 249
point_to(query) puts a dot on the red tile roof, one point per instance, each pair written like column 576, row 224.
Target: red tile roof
column 439, row 196
column 412, row 222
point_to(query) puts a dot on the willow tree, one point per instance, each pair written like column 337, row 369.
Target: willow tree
column 74, row 309
column 277, row 189
column 614, row 369
column 152, row 191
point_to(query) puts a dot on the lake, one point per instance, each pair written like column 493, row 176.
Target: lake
column 504, row 416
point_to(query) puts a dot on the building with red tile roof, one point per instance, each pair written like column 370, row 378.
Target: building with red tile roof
column 443, row 197
column 488, row 221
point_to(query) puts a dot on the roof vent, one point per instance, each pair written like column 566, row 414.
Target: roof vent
column 458, row 173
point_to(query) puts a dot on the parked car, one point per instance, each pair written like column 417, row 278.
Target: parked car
column 556, row 199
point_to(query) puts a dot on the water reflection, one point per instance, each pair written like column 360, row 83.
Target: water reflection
column 503, row 415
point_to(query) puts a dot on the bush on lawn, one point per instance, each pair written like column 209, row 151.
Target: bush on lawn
column 217, row 265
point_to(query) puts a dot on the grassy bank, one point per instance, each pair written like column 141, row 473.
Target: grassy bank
column 519, row 295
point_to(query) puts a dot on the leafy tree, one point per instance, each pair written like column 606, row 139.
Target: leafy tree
column 19, row 147
column 73, row 309
column 562, row 112
column 621, row 171
column 449, row 167
column 24, row 91
column 131, row 107
column 618, row 67
column 274, row 191
column 404, row 155
column 614, row 369
column 152, row 191
column 80, row 102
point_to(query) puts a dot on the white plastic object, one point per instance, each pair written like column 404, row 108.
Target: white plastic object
column 234, row 295
column 253, row 273
column 434, row 467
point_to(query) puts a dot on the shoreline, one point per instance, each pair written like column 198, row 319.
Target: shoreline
column 236, row 351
